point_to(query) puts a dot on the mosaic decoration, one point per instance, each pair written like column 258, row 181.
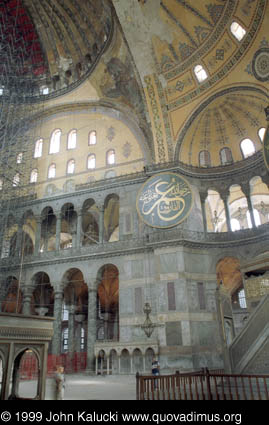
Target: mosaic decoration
column 111, row 132
column 127, row 149
column 260, row 64
column 165, row 200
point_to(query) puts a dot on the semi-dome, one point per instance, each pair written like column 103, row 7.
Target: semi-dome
column 48, row 46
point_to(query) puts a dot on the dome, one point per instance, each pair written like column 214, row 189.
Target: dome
column 214, row 134
column 50, row 47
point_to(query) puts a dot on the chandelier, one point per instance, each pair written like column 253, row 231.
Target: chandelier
column 148, row 326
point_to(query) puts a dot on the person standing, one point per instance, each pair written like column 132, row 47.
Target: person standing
column 60, row 383
column 155, row 368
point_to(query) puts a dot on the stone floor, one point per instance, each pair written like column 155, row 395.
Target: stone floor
column 83, row 387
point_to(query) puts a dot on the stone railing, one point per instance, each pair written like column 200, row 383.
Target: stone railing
column 247, row 338
column 155, row 238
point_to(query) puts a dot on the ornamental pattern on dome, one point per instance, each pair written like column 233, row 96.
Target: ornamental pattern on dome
column 50, row 46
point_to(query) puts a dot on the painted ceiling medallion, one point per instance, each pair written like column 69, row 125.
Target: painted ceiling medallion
column 164, row 200
column 260, row 64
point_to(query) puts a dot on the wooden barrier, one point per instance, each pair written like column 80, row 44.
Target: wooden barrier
column 202, row 385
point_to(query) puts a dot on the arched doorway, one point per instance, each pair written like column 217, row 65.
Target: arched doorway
column 75, row 312
column 108, row 302
column 26, row 366
column 43, row 295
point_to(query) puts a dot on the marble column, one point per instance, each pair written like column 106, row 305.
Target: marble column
column 57, row 324
column 37, row 235
column 58, row 231
column 71, row 330
column 225, row 196
column 91, row 330
column 79, row 228
column 101, row 224
column 27, row 298
column 19, row 239
column 246, row 190
column 203, row 197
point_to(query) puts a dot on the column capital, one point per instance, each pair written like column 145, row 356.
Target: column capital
column 245, row 188
column 224, row 194
column 203, row 196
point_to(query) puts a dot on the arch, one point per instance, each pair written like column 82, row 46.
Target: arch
column 237, row 30
column 42, row 302
column 226, row 156
column 55, row 141
column 125, row 364
column 200, row 73
column 114, row 362
column 72, row 139
column 11, row 296
column 90, row 223
column 261, row 133
column 19, row 158
column 111, row 218
column 68, row 225
column 91, row 161
column 247, row 148
column 92, row 140
column 52, row 171
column 138, row 364
column 38, row 148
column 70, row 169
column 204, row 159
column 206, row 103
column 48, row 230
column 108, row 301
column 111, row 157
column 34, row 175
column 27, row 360
column 229, row 273
column 16, row 180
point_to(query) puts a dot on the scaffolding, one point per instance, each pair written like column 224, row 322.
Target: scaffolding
column 23, row 71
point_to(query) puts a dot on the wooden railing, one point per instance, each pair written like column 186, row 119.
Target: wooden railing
column 202, row 385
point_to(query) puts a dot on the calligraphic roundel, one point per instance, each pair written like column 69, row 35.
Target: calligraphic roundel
column 164, row 200
column 266, row 147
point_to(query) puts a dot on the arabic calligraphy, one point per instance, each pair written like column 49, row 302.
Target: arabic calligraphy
column 165, row 200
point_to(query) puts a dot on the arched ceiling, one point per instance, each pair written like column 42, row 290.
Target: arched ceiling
column 167, row 39
column 223, row 120
column 51, row 44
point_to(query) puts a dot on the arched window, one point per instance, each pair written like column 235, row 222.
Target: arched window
column 92, row 138
column 237, row 31
column 204, row 159
column 33, row 176
column 72, row 139
column 1, row 184
column 16, row 180
column 257, row 218
column 200, row 73
column 38, row 148
column 52, row 171
column 242, row 298
column 226, row 156
column 235, row 225
column 91, row 163
column 71, row 166
column 55, row 141
column 110, row 157
column 19, row 158
column 247, row 147
column 261, row 133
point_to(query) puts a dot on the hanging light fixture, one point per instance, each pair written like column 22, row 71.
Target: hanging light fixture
column 148, row 326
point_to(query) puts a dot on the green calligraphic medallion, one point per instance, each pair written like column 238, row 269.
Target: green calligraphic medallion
column 165, row 200
column 266, row 148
